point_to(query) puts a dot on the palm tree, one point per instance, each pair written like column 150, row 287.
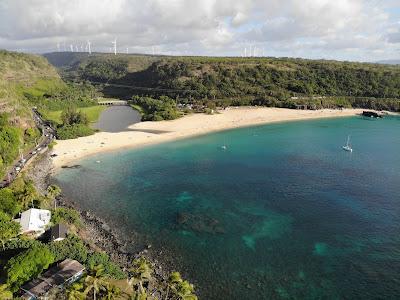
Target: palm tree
column 28, row 195
column 5, row 293
column 95, row 281
column 180, row 288
column 53, row 191
column 141, row 272
column 112, row 292
column 75, row 292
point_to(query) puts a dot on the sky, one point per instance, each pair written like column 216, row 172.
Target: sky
column 356, row 30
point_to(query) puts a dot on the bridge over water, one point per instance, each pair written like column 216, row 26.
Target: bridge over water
column 112, row 102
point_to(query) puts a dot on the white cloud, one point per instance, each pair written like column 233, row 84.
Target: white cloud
column 219, row 27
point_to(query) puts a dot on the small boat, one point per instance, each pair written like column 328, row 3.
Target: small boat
column 223, row 147
column 348, row 146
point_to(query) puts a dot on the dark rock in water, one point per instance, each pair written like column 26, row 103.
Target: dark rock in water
column 71, row 167
column 198, row 223
column 182, row 218
column 371, row 114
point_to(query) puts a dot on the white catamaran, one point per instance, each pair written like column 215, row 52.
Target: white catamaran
column 348, row 145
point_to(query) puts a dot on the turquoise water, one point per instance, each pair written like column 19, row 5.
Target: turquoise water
column 283, row 213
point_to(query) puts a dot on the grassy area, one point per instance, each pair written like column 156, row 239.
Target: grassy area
column 93, row 113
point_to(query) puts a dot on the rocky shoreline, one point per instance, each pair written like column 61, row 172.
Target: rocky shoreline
column 97, row 233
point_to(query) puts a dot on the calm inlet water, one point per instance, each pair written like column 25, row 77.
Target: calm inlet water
column 282, row 213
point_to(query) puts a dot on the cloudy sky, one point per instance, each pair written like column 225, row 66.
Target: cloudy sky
column 362, row 30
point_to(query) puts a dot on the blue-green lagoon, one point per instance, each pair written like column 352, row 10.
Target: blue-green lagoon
column 282, row 213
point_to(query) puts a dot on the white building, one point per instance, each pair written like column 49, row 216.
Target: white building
column 34, row 220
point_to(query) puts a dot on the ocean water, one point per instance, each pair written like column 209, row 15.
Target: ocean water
column 282, row 213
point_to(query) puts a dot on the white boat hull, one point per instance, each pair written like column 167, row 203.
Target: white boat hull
column 348, row 149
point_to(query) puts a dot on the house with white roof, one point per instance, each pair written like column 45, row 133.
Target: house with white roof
column 34, row 220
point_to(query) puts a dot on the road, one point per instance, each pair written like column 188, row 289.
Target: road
column 48, row 134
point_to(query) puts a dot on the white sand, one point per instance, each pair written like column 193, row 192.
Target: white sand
column 140, row 134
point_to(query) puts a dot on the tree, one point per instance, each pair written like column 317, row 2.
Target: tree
column 8, row 229
column 75, row 291
column 27, row 265
column 181, row 289
column 28, row 195
column 8, row 202
column 71, row 116
column 66, row 215
column 140, row 273
column 111, row 292
column 5, row 293
column 111, row 270
column 53, row 191
column 72, row 247
column 95, row 281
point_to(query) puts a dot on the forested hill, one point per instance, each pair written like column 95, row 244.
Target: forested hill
column 266, row 81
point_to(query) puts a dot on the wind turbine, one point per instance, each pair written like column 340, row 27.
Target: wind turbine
column 115, row 46
column 58, row 47
column 127, row 50
column 71, row 47
column 76, row 48
column 153, row 50
column 245, row 52
column 89, row 49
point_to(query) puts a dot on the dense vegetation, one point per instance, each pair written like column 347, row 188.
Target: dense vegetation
column 282, row 82
column 163, row 108
column 105, row 69
column 74, row 124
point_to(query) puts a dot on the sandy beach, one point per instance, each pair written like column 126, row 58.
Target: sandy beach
column 146, row 133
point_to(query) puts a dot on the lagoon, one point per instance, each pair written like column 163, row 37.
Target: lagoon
column 282, row 213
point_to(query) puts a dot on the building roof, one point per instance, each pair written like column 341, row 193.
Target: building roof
column 34, row 219
column 54, row 277
column 58, row 231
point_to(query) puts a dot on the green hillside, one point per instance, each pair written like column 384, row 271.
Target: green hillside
column 28, row 81
column 22, row 76
column 241, row 81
